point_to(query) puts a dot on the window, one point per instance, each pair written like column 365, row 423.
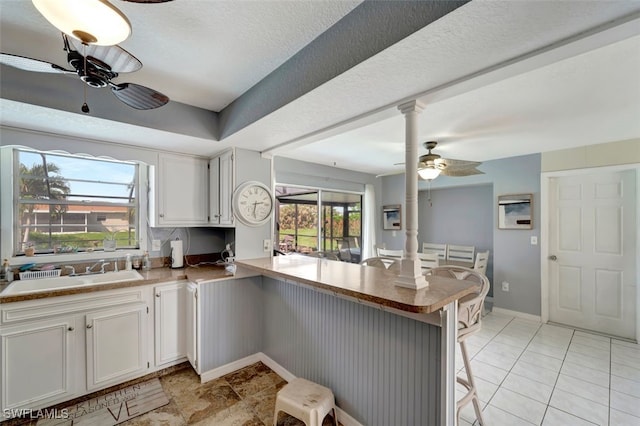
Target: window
column 68, row 203
column 340, row 222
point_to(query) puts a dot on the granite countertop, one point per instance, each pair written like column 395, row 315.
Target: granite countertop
column 366, row 283
column 153, row 276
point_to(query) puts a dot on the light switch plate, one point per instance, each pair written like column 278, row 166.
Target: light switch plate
column 156, row 245
column 266, row 245
column 534, row 240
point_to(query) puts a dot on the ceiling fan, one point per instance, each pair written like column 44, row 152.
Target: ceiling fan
column 101, row 61
column 432, row 165
column 97, row 67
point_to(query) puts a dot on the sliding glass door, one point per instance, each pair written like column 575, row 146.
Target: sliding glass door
column 311, row 219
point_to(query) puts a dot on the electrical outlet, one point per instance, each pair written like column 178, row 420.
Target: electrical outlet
column 266, row 245
column 156, row 245
column 534, row 240
column 505, row 286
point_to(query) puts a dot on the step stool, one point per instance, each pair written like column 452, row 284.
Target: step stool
column 306, row 401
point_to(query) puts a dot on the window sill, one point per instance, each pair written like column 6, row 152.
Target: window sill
column 73, row 257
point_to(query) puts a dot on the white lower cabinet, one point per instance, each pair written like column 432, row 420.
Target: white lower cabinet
column 55, row 349
column 170, row 322
column 116, row 342
column 38, row 361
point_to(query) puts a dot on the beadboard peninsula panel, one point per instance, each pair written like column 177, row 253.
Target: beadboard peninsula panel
column 231, row 320
column 384, row 369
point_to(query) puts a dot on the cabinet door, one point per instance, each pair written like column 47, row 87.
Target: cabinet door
column 214, row 191
column 192, row 325
column 37, row 363
column 182, row 191
column 221, row 171
column 226, row 188
column 116, row 345
column 170, row 322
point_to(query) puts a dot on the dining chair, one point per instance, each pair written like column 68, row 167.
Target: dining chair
column 390, row 253
column 482, row 259
column 389, row 263
column 429, row 260
column 469, row 322
column 344, row 249
column 461, row 253
column 441, row 249
column 323, row 255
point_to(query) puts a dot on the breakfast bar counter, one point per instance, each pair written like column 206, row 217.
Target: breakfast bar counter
column 365, row 283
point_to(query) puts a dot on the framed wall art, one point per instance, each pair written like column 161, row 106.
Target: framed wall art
column 392, row 217
column 515, row 211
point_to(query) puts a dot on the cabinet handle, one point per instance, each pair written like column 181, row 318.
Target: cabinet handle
column 70, row 329
column 157, row 294
column 89, row 325
column 161, row 215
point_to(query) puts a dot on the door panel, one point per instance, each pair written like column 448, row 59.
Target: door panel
column 592, row 235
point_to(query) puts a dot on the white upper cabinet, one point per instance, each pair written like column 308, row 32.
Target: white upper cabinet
column 221, row 184
column 181, row 191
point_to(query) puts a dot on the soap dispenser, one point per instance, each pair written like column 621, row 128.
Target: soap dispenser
column 7, row 271
column 146, row 262
column 127, row 263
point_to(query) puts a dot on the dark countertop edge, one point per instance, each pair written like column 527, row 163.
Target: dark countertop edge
column 154, row 276
column 416, row 309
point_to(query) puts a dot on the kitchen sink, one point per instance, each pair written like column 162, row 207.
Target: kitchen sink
column 58, row 283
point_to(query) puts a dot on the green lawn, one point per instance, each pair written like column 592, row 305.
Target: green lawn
column 80, row 240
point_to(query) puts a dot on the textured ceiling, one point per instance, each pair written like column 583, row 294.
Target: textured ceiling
column 498, row 78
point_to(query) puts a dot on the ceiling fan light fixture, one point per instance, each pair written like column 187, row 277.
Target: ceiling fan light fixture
column 429, row 173
column 90, row 21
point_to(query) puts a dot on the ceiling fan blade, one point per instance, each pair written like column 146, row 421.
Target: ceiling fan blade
column 458, row 164
column 139, row 97
column 29, row 64
column 460, row 172
column 148, row 1
column 118, row 59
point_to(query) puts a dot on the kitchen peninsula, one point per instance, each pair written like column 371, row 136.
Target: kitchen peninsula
column 385, row 351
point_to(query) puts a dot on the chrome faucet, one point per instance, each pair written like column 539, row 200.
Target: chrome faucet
column 73, row 270
column 100, row 262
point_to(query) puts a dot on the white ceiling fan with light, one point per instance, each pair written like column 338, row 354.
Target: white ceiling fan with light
column 91, row 30
column 431, row 165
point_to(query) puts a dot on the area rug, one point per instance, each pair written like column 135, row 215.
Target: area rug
column 112, row 408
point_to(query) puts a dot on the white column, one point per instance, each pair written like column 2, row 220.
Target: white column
column 411, row 273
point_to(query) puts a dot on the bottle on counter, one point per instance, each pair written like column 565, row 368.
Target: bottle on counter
column 146, row 262
column 128, row 265
column 7, row 271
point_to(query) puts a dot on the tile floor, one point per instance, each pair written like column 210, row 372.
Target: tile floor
column 246, row 397
column 541, row 374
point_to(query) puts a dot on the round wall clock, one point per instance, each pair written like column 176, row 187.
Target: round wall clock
column 252, row 203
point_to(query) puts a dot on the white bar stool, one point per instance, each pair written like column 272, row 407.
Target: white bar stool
column 306, row 401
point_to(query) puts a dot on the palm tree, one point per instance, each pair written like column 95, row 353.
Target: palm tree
column 41, row 182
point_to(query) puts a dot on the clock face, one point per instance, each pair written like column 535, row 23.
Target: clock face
column 253, row 203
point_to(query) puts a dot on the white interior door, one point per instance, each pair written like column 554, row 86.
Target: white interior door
column 592, row 252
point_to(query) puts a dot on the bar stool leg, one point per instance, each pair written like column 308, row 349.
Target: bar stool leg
column 470, row 385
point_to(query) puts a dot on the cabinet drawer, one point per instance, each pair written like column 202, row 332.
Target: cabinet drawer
column 44, row 308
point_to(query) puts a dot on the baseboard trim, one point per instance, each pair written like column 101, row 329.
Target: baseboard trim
column 517, row 314
column 343, row 416
column 218, row 372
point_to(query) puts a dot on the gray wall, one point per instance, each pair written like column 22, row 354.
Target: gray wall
column 294, row 172
column 383, row 369
column 231, row 320
column 461, row 215
column 515, row 260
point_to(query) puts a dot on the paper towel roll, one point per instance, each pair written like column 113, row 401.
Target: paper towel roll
column 177, row 257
